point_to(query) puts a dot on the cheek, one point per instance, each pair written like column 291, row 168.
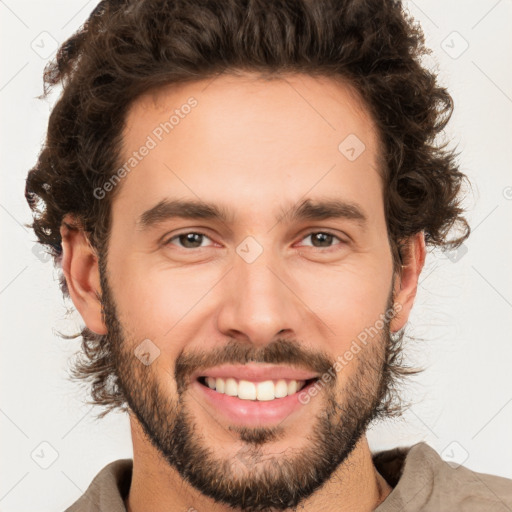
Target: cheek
column 159, row 302
column 168, row 304
column 348, row 299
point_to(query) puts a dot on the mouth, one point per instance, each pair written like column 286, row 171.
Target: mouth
column 254, row 394
column 261, row 391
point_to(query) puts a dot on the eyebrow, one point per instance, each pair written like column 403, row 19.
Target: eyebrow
column 308, row 209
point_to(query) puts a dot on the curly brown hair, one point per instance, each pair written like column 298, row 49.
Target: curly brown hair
column 128, row 47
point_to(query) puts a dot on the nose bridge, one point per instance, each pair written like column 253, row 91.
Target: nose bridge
column 258, row 303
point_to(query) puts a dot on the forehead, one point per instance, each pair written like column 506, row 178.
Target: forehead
column 246, row 139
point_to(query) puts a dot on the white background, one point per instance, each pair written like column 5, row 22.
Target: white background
column 462, row 403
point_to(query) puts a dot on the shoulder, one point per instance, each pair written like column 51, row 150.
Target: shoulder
column 107, row 490
column 422, row 480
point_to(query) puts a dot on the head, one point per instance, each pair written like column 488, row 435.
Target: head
column 234, row 183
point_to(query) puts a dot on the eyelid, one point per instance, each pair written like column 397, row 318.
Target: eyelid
column 323, row 232
column 167, row 240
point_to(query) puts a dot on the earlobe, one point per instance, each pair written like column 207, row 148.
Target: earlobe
column 80, row 267
column 406, row 283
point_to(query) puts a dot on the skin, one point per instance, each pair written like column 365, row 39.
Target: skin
column 253, row 146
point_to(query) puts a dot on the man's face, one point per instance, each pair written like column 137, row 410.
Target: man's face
column 289, row 294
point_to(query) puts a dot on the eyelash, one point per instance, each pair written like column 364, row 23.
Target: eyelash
column 327, row 249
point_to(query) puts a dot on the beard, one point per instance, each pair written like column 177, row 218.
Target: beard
column 252, row 480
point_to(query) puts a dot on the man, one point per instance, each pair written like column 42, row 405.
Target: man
column 240, row 196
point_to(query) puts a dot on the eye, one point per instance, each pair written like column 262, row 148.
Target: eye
column 189, row 240
column 194, row 240
column 322, row 239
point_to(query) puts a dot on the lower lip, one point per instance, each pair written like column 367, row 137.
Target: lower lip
column 251, row 412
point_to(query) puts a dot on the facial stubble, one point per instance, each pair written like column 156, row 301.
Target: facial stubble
column 251, row 481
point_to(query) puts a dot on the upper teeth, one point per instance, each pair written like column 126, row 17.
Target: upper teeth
column 246, row 390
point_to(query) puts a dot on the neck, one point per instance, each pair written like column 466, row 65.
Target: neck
column 355, row 486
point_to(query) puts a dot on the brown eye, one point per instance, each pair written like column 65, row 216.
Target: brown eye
column 191, row 240
column 320, row 239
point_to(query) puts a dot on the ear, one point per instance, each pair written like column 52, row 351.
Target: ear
column 406, row 282
column 80, row 267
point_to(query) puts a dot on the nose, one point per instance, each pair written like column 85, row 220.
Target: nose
column 259, row 301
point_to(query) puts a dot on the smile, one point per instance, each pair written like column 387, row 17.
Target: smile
column 261, row 391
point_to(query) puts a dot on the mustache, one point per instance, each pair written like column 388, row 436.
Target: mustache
column 279, row 351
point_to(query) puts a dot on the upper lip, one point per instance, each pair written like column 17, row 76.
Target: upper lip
column 256, row 372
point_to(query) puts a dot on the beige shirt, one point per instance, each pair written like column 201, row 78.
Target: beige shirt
column 421, row 481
